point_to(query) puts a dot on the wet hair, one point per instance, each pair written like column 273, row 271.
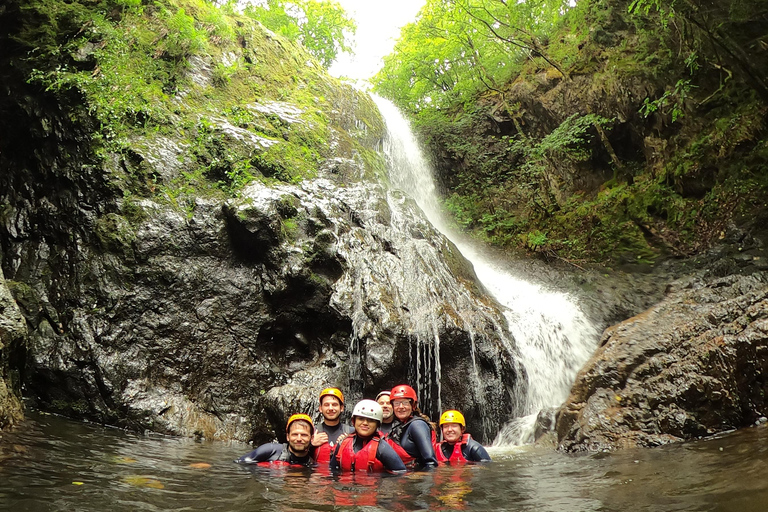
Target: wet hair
column 302, row 422
column 417, row 412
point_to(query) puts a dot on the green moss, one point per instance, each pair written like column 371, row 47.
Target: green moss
column 175, row 68
column 115, row 233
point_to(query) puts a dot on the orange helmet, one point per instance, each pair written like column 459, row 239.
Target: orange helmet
column 452, row 416
column 300, row 417
column 403, row 391
column 332, row 392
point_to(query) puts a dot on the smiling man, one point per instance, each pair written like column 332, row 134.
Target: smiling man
column 457, row 445
column 388, row 415
column 295, row 452
column 324, row 440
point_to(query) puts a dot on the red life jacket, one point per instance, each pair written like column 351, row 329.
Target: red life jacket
column 365, row 458
column 322, row 453
column 457, row 455
column 404, row 455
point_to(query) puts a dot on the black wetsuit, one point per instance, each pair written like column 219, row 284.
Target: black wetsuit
column 472, row 451
column 275, row 452
column 415, row 436
column 335, row 431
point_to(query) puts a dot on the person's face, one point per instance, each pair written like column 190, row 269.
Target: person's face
column 365, row 427
column 331, row 408
column 452, row 432
column 299, row 436
column 403, row 408
column 386, row 407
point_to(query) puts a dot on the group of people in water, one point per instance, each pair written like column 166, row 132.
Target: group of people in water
column 387, row 434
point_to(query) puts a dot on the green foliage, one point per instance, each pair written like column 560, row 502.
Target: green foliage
column 144, row 74
column 322, row 26
column 586, row 188
column 459, row 48
column 672, row 101
column 570, row 141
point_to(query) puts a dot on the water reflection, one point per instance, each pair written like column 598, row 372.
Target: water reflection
column 55, row 464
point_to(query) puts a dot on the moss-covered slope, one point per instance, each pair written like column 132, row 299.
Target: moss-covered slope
column 652, row 144
column 148, row 82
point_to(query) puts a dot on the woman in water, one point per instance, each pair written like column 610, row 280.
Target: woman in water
column 412, row 434
column 363, row 450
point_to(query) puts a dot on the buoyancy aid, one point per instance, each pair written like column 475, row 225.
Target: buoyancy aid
column 364, row 458
column 322, row 453
column 457, row 455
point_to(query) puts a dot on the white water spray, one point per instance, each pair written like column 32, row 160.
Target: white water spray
column 553, row 336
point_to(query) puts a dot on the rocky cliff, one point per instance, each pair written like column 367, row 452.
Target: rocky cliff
column 201, row 243
column 691, row 366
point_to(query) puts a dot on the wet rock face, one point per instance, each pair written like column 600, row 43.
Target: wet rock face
column 13, row 332
column 223, row 321
column 691, row 366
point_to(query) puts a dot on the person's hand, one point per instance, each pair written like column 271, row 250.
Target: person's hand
column 341, row 438
column 319, row 438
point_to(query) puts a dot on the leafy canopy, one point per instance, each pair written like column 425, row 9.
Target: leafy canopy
column 457, row 48
column 322, row 26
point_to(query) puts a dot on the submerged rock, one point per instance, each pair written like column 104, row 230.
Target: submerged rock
column 691, row 366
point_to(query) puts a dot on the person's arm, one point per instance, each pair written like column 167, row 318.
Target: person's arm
column 421, row 435
column 389, row 457
column 263, row 453
column 477, row 452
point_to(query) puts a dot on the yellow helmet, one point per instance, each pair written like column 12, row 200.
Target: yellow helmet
column 453, row 417
column 332, row 392
column 302, row 417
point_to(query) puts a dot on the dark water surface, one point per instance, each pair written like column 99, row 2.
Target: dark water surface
column 55, row 464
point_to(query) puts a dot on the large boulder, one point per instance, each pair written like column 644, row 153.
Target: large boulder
column 694, row 365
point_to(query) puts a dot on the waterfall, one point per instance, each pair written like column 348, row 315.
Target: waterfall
column 552, row 335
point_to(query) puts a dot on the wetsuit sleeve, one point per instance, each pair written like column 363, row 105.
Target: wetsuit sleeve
column 389, row 457
column 265, row 452
column 476, row 452
column 421, row 435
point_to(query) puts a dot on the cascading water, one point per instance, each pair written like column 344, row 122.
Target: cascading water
column 552, row 335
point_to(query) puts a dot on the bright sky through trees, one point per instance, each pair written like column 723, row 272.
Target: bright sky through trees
column 378, row 27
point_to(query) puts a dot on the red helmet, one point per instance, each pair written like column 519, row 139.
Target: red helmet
column 403, row 391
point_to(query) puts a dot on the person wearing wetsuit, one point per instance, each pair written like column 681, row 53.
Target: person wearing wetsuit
column 388, row 417
column 411, row 435
column 324, row 440
column 458, row 446
column 363, row 450
column 295, row 452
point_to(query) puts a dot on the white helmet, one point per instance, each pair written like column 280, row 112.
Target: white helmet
column 368, row 409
